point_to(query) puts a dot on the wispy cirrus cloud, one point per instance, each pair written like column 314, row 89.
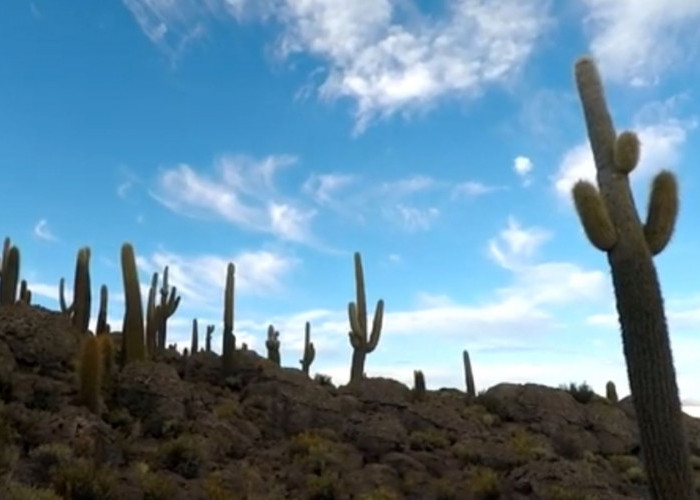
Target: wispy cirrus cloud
column 42, row 231
column 385, row 56
column 242, row 192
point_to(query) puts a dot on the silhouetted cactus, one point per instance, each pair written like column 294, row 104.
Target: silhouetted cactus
column 25, row 294
column 362, row 341
column 418, row 384
column 9, row 273
column 309, row 350
column 169, row 301
column 611, row 391
column 102, row 327
column 468, row 374
column 194, row 346
column 79, row 310
column 273, row 345
column 207, row 338
column 612, row 224
column 228, row 338
column 133, row 341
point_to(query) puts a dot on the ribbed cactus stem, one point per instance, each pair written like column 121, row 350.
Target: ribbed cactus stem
column 207, row 338
column 133, row 335
column 468, row 374
column 309, row 350
column 229, row 340
column 273, row 345
column 102, row 327
column 169, row 302
column 362, row 341
column 194, row 345
column 9, row 274
column 90, row 373
column 645, row 337
column 79, row 310
column 152, row 320
column 418, row 384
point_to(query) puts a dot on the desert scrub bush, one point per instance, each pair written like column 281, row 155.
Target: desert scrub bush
column 81, row 479
column 629, row 467
column 566, row 446
column 18, row 491
column 216, row 488
column 444, row 489
column 466, row 453
column 494, row 406
column 324, row 380
column 227, row 409
column 558, row 492
column 311, row 449
column 183, row 455
column 526, row 445
column 428, row 440
column 323, row 486
column 153, row 485
column 695, row 462
column 484, row 484
column 582, row 393
column 50, row 455
column 381, row 493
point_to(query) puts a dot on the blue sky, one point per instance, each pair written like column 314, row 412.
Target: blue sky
column 440, row 139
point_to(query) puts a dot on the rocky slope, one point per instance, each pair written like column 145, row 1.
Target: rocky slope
column 177, row 429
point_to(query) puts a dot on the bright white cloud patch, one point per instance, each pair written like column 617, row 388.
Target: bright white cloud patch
column 325, row 188
column 42, row 231
column 414, row 218
column 516, row 245
column 243, row 194
column 662, row 136
column 635, row 41
column 381, row 54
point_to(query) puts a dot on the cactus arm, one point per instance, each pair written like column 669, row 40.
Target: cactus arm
column 645, row 339
column 594, row 216
column 662, row 212
column 62, row 297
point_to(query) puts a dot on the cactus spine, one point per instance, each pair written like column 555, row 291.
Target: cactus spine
column 638, row 296
column 9, row 273
column 229, row 340
column 273, row 345
column 357, row 313
column 468, row 374
column 309, row 350
column 133, row 345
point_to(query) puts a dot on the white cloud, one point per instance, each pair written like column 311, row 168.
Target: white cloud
column 522, row 165
column 244, row 194
column 636, row 41
column 520, row 244
column 662, row 137
column 471, row 189
column 384, row 55
column 201, row 278
column 42, row 231
column 414, row 218
column 324, row 188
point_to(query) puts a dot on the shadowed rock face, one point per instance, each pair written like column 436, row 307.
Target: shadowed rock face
column 176, row 426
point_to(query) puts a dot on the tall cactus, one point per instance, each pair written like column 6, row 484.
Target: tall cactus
column 152, row 320
column 169, row 301
column 194, row 346
column 229, row 340
column 273, row 345
column 207, row 338
column 102, row 326
column 25, row 294
column 611, row 222
column 9, row 273
column 133, row 341
column 309, row 350
column 357, row 313
column 468, row 374
column 79, row 310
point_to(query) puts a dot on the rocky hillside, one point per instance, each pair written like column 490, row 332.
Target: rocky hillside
column 175, row 428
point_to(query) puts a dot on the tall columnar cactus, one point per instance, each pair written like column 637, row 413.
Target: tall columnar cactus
column 468, row 374
column 169, row 300
column 25, row 294
column 273, row 345
column 9, row 273
column 362, row 341
column 611, row 391
column 418, row 384
column 152, row 320
column 229, row 340
column 102, row 327
column 79, row 310
column 309, row 350
column 611, row 222
column 133, row 341
column 207, row 338
column 194, row 347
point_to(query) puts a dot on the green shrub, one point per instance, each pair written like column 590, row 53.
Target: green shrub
column 582, row 393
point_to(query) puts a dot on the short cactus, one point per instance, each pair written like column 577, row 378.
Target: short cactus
column 194, row 346
column 611, row 391
column 418, row 384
